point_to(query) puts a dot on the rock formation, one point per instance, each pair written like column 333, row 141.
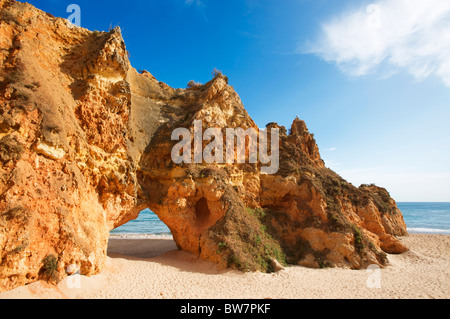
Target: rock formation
column 85, row 145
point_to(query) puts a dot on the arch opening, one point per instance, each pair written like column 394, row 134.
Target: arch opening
column 147, row 223
column 144, row 237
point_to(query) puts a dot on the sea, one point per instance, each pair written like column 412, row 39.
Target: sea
column 147, row 225
column 426, row 218
column 420, row 218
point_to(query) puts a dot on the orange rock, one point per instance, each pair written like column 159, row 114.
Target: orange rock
column 85, row 145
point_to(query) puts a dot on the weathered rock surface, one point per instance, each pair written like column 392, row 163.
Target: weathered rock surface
column 85, row 145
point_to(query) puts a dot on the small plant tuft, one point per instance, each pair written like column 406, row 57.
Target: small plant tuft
column 221, row 246
column 323, row 263
column 359, row 244
column 257, row 212
column 49, row 269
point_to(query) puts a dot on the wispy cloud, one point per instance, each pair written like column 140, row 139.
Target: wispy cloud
column 331, row 163
column 387, row 37
column 198, row 3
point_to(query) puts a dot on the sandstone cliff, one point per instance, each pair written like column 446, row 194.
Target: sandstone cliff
column 85, row 145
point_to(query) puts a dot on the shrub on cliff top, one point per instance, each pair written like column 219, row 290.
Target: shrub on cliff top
column 193, row 84
column 217, row 73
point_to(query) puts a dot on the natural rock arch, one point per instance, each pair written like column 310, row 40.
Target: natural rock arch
column 85, row 145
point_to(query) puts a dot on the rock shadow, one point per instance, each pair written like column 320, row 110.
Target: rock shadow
column 161, row 251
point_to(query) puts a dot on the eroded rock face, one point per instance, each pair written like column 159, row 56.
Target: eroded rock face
column 85, row 145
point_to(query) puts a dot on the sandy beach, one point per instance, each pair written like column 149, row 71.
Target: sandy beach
column 154, row 268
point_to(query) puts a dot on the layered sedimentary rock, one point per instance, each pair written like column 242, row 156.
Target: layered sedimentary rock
column 85, row 145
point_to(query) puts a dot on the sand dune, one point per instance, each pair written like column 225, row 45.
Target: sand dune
column 154, row 268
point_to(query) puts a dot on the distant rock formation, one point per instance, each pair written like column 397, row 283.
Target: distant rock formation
column 85, row 145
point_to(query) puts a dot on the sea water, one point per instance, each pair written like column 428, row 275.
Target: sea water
column 424, row 218
column 146, row 225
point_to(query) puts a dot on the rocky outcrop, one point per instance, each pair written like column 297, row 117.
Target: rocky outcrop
column 85, row 145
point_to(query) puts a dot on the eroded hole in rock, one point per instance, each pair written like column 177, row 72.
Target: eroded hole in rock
column 145, row 237
column 202, row 212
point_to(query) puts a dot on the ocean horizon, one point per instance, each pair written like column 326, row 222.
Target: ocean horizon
column 420, row 218
column 426, row 217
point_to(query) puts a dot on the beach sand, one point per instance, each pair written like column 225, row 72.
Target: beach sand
column 154, row 268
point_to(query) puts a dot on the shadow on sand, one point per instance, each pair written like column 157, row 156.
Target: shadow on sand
column 139, row 248
column 161, row 251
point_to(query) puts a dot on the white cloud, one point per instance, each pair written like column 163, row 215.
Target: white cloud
column 389, row 36
column 196, row 2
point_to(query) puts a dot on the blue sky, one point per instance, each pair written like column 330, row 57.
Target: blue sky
column 370, row 78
